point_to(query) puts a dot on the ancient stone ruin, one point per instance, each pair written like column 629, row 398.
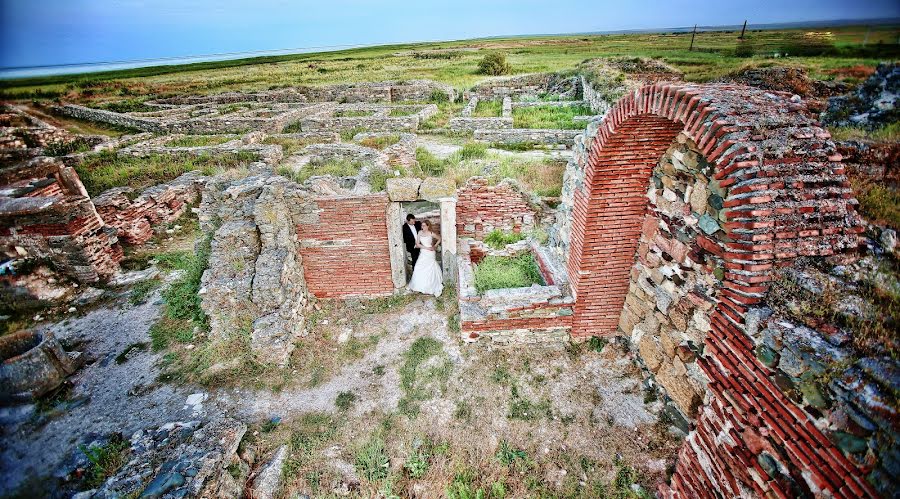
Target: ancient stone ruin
column 680, row 204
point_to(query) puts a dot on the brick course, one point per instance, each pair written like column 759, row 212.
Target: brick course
column 787, row 196
column 345, row 251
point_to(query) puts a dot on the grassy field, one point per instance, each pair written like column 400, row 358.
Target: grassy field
column 826, row 53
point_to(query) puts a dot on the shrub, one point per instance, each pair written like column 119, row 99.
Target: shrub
column 498, row 239
column 80, row 144
column 494, row 64
column 499, row 272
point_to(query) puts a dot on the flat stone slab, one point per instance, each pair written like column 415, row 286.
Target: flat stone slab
column 403, row 189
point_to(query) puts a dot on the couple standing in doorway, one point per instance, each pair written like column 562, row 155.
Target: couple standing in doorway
column 421, row 244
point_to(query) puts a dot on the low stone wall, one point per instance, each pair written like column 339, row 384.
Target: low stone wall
column 250, row 143
column 117, row 119
column 402, row 154
column 344, row 245
column 541, row 103
column 546, row 136
column 536, row 314
column 530, row 84
column 154, row 208
column 481, row 208
column 472, row 124
column 470, row 107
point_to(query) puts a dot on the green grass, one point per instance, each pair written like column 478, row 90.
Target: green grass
column 128, row 106
column 498, row 239
column 412, row 379
column 488, row 109
column 399, row 112
column 473, row 150
column 199, row 141
column 515, row 146
column 348, row 134
column 500, row 272
column 344, row 400
column 334, row 167
column 380, row 141
column 105, row 460
column 79, row 144
column 141, row 290
column 309, row 434
column 446, row 110
column 714, row 55
column 886, row 133
column 181, row 310
column 878, row 203
column 289, row 146
column 549, row 117
column 106, row 170
column 372, row 461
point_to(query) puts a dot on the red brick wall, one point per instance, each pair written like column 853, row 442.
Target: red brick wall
column 787, row 196
column 345, row 253
column 480, row 206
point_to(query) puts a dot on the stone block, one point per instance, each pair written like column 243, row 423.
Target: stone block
column 403, row 189
column 651, row 352
column 434, row 188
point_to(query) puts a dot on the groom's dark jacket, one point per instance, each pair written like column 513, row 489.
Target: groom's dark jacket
column 410, row 239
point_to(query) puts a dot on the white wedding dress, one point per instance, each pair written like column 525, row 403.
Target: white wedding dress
column 427, row 276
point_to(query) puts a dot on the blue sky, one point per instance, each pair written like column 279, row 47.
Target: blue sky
column 43, row 32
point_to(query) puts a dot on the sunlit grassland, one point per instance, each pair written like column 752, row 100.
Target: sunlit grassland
column 713, row 56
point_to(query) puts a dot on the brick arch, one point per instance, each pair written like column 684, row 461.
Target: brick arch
column 787, row 196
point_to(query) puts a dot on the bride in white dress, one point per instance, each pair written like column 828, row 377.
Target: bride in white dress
column 427, row 276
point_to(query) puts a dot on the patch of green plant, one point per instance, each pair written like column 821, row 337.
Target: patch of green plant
column 105, row 170
column 309, row 434
column 498, row 239
column 596, row 343
column 181, row 310
column 123, row 357
column 429, row 163
column 348, row 134
column 334, row 167
column 515, row 146
column 199, row 141
column 508, row 455
column 878, row 202
column 438, row 97
column 293, row 127
column 386, row 304
column 233, row 108
column 463, row 410
column 289, row 146
column 378, row 179
column 473, row 150
column 372, row 460
column 558, row 117
column 397, row 112
column 494, row 64
column 380, row 141
column 488, row 109
column 344, row 400
column 412, row 378
column 886, row 133
column 520, row 407
column 500, row 272
column 63, row 148
column 128, row 106
column 105, row 459
column 419, row 460
column 141, row 290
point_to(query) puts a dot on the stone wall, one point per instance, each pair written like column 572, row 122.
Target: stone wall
column 471, row 124
column 135, row 219
column 255, row 279
column 785, row 195
column 345, row 247
column 549, row 136
column 117, row 119
column 530, row 84
column 481, row 208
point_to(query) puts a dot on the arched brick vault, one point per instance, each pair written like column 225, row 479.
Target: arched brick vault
column 787, row 196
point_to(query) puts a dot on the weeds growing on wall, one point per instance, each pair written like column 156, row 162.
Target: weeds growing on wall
column 79, row 144
column 199, row 141
column 380, row 141
column 498, row 239
column 334, row 167
column 106, row 170
column 559, row 117
column 500, row 272
column 105, row 460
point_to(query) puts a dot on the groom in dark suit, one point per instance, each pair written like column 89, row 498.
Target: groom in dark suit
column 410, row 231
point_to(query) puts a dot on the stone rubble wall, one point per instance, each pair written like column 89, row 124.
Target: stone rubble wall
column 506, row 108
column 155, row 207
column 530, row 84
column 547, row 136
column 786, row 196
column 255, row 280
column 344, row 245
column 470, row 107
column 520, row 316
column 112, row 118
column 46, row 216
column 481, row 208
column 388, row 91
column 471, row 124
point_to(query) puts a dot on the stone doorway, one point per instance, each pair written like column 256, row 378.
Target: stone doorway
column 423, row 211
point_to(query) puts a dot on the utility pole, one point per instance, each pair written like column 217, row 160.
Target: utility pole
column 692, row 38
column 743, row 30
